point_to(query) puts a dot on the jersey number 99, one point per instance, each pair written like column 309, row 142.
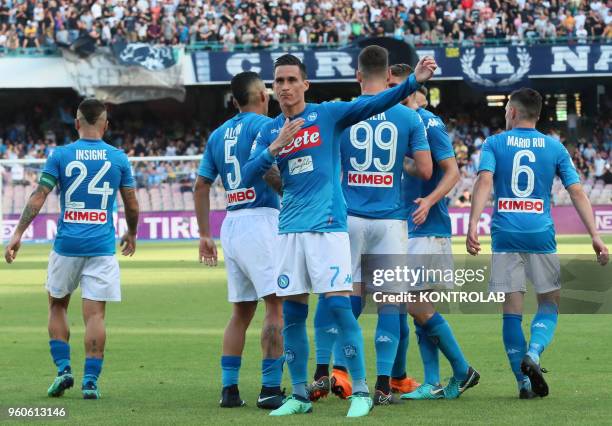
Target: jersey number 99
column 384, row 137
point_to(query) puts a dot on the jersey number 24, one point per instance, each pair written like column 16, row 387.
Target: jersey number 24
column 105, row 191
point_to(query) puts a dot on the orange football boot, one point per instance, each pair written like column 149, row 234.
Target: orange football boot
column 405, row 385
column 341, row 384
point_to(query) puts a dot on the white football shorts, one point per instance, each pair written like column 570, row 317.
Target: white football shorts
column 317, row 262
column 375, row 236
column 510, row 272
column 436, row 256
column 249, row 238
column 98, row 276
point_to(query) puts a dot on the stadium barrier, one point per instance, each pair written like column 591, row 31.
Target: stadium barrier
column 178, row 225
column 164, row 191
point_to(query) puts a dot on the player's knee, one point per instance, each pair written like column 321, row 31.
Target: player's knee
column 243, row 313
column 549, row 301
column 513, row 303
column 421, row 312
column 421, row 317
column 274, row 307
column 60, row 304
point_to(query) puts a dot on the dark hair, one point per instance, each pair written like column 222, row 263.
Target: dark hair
column 289, row 59
column 91, row 109
column 528, row 102
column 373, row 60
column 241, row 85
column 401, row 70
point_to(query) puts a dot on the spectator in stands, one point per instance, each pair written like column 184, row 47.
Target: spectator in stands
column 272, row 23
column 465, row 199
column 589, row 152
column 599, row 165
column 607, row 176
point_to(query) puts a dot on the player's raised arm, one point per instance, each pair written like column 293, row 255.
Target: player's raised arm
column 132, row 210
column 349, row 113
column 30, row 211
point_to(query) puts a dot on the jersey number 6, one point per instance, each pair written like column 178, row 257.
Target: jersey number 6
column 518, row 169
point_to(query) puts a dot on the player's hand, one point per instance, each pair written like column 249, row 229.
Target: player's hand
column 208, row 251
column 286, row 135
column 425, row 69
column 600, row 250
column 128, row 244
column 471, row 243
column 420, row 214
column 10, row 253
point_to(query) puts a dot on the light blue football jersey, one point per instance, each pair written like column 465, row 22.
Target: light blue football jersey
column 524, row 163
column 89, row 174
column 310, row 165
column 373, row 154
column 228, row 148
column 438, row 223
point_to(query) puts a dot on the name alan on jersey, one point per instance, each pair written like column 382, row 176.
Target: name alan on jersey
column 307, row 137
column 90, row 154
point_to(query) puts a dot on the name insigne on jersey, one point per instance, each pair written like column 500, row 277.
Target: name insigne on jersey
column 93, row 154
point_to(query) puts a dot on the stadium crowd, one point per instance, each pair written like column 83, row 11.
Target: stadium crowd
column 262, row 24
column 37, row 136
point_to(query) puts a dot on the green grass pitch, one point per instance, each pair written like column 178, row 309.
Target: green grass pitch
column 164, row 341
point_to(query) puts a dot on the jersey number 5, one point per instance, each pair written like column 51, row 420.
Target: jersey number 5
column 518, row 170
column 376, row 136
column 232, row 181
column 105, row 191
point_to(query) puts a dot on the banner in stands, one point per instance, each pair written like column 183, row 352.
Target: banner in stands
column 488, row 68
column 107, row 77
column 183, row 224
column 146, row 55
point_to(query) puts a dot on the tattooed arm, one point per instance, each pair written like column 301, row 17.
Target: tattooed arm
column 30, row 211
column 130, row 202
